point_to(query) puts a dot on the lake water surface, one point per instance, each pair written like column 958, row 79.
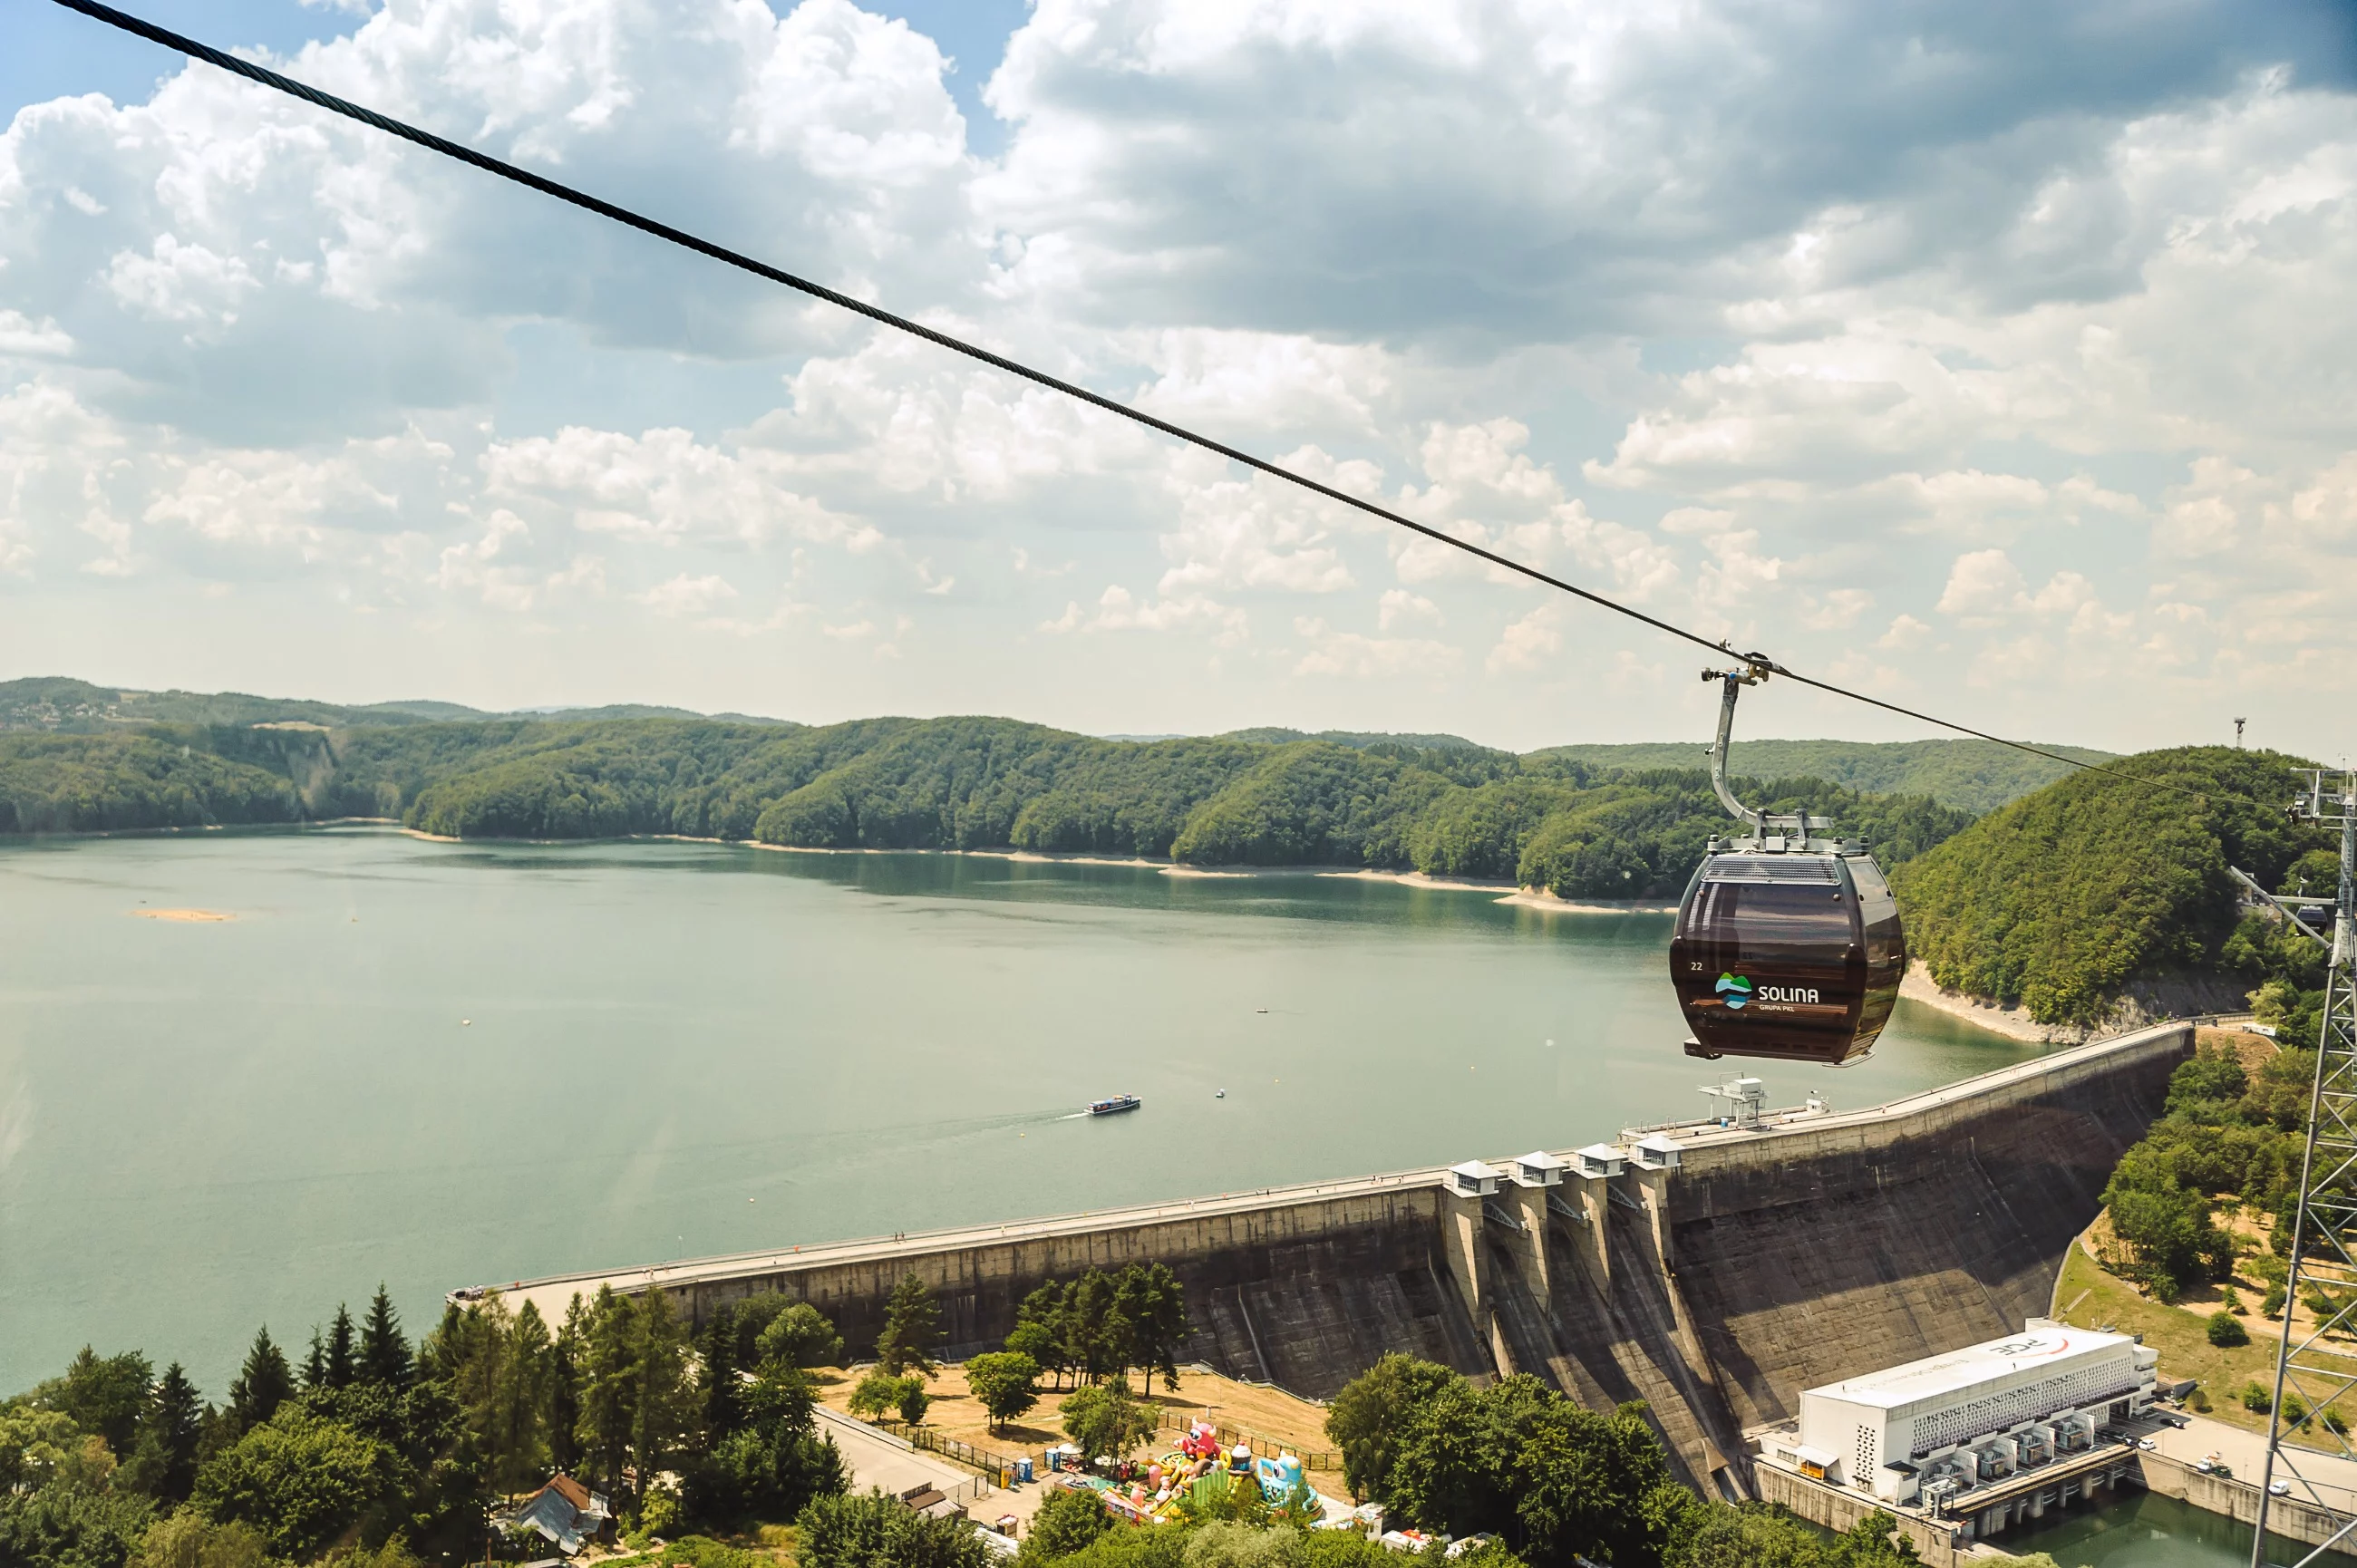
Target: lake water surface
column 438, row 1065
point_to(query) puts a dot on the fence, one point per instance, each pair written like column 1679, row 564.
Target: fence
column 1176, row 1418
column 996, row 1465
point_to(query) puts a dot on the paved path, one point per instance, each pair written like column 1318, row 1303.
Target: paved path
column 875, row 1459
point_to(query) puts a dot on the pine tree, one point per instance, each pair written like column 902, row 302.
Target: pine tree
column 1152, row 1305
column 384, row 1352
column 164, row 1466
column 911, row 1328
column 565, row 1393
column 609, row 1400
column 262, row 1385
column 343, row 1363
column 666, row 1396
column 315, row 1364
column 527, row 1401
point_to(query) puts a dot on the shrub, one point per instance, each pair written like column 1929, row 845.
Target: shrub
column 2295, row 1411
column 2226, row 1330
column 2256, row 1399
column 1066, row 1520
column 2271, row 1304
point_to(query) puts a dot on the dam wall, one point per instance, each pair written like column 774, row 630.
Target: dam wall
column 1713, row 1281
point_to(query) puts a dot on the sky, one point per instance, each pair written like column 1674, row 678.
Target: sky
column 1993, row 359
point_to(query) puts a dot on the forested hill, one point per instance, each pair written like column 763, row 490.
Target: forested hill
column 2101, row 886
column 1979, row 775
column 952, row 783
column 58, row 704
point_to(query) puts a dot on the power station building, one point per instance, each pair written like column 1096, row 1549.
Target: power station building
column 1929, row 1431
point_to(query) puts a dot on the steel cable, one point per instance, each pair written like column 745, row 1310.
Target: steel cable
column 681, row 238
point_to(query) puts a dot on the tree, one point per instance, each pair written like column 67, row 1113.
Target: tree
column 35, row 1445
column 384, row 1353
column 1373, row 1410
column 505, row 1381
column 1006, row 1382
column 1096, row 1337
column 914, row 1401
column 315, row 1363
column 801, row 1336
column 2226, row 1330
column 1039, row 1328
column 186, row 1539
column 1066, row 1520
column 1151, row 1304
column 775, row 1462
column 872, row 1530
column 104, row 1394
column 300, row 1480
column 163, row 1464
column 263, row 1384
column 1105, row 1421
column 67, row 1525
column 911, row 1329
column 608, row 1397
column 879, row 1391
column 342, row 1361
column 1519, row 1460
column 666, row 1397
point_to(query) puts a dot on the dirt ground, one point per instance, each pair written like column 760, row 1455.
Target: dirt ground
column 1263, row 1413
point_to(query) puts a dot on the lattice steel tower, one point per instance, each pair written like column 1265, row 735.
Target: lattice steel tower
column 2309, row 1367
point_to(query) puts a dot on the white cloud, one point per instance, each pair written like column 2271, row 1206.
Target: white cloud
column 665, row 487
column 1399, row 607
column 1530, row 642
column 689, row 597
column 1981, row 585
column 1354, row 655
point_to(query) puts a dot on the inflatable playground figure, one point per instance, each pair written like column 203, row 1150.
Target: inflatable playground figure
column 1277, row 1477
column 1200, row 1442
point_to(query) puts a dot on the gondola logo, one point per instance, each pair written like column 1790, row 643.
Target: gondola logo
column 1735, row 990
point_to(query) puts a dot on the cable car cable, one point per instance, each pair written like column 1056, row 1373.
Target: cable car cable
column 265, row 77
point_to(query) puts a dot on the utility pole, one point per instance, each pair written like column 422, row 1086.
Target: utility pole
column 2238, row 732
column 2324, row 1220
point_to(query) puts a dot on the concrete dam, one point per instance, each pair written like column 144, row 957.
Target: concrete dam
column 1713, row 1271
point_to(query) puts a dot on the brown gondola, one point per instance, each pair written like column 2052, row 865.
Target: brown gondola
column 1788, row 942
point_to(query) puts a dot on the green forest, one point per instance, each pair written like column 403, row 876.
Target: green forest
column 1978, row 775
column 2060, row 901
column 945, row 784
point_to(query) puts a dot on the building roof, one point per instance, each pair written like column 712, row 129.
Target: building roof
column 2032, row 1349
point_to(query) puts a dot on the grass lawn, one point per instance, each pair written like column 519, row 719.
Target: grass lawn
column 955, row 1413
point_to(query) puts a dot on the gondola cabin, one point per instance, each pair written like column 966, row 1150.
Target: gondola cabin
column 1794, row 953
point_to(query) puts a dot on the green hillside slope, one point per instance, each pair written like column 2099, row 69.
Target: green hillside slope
column 61, row 705
column 1977, row 775
column 2062, row 901
column 952, row 783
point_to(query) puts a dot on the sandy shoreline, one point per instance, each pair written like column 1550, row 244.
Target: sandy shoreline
column 2012, row 1021
column 185, row 917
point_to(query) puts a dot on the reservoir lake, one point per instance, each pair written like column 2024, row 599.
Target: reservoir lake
column 439, row 1064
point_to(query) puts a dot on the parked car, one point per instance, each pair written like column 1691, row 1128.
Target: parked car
column 2278, row 1488
column 2147, row 1444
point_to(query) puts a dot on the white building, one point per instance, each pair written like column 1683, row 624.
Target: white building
column 1949, row 1422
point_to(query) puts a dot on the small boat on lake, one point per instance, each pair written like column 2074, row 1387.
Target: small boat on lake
column 1113, row 1105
